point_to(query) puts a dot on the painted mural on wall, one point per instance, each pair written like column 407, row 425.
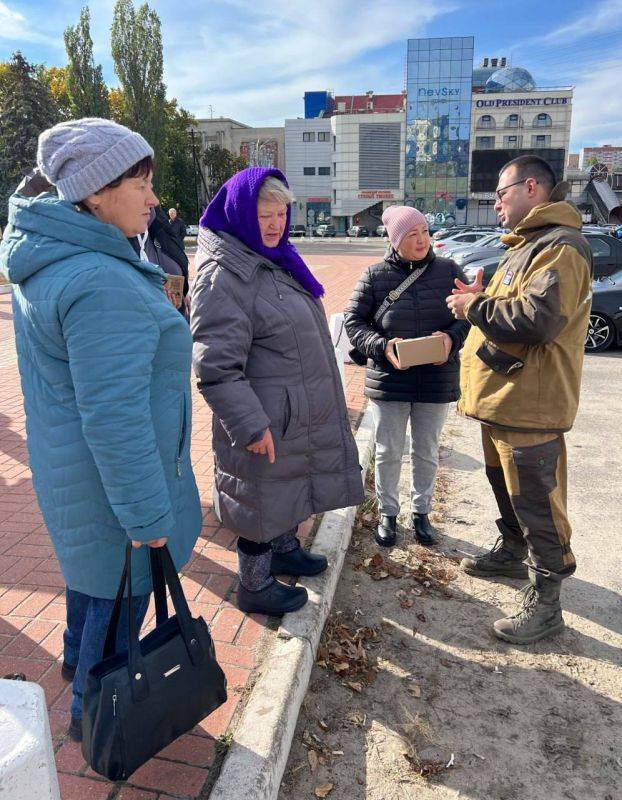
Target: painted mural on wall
column 260, row 152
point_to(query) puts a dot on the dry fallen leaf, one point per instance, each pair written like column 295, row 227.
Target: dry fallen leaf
column 324, row 790
column 413, row 689
column 355, row 686
column 322, row 724
column 312, row 758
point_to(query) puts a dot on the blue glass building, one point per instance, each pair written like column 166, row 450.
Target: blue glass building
column 438, row 121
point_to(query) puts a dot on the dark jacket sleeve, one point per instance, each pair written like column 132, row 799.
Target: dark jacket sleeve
column 358, row 319
column 222, row 329
column 161, row 231
column 458, row 329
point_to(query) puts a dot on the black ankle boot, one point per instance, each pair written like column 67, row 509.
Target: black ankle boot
column 75, row 729
column 422, row 529
column 68, row 671
column 297, row 562
column 275, row 600
column 386, row 533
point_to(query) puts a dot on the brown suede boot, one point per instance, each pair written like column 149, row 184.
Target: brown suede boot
column 505, row 558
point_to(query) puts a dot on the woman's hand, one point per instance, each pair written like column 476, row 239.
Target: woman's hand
column 153, row 543
column 264, row 447
column 389, row 352
column 447, row 344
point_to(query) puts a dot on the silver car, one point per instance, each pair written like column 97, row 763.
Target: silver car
column 441, row 246
column 481, row 249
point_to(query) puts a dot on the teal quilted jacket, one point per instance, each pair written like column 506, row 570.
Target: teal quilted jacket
column 104, row 360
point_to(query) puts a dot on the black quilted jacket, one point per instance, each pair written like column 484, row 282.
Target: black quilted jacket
column 420, row 311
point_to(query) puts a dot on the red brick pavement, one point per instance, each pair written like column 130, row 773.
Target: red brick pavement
column 32, row 606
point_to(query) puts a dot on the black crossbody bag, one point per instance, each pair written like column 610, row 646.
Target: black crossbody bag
column 395, row 294
column 137, row 702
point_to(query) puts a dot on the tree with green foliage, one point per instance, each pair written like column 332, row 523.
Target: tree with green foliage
column 221, row 165
column 27, row 107
column 136, row 45
column 85, row 83
column 175, row 168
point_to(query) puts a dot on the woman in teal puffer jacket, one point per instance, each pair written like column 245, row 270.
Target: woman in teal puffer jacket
column 104, row 360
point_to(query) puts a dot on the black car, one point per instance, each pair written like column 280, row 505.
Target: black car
column 605, row 328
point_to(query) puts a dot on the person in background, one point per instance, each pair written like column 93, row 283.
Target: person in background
column 104, row 361
column 177, row 226
column 421, row 394
column 265, row 364
column 521, row 377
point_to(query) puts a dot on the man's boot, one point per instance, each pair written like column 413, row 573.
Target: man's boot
column 540, row 616
column 386, row 532
column 504, row 559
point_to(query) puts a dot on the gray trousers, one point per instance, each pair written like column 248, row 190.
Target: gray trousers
column 426, row 424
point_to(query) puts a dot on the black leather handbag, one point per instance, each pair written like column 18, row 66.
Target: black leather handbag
column 137, row 702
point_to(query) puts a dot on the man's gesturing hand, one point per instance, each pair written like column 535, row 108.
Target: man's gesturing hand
column 461, row 295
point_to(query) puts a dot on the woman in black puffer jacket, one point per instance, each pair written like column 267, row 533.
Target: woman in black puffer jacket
column 421, row 394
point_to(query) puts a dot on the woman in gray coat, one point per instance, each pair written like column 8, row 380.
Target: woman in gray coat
column 266, row 366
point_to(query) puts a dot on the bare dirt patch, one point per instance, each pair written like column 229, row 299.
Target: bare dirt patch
column 412, row 696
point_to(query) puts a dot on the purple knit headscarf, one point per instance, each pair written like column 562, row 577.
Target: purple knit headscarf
column 234, row 211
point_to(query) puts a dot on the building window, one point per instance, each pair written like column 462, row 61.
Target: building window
column 323, row 170
column 540, row 141
column 308, row 136
column 323, row 136
column 334, row 195
column 308, row 170
column 513, row 121
column 542, row 121
column 486, row 121
column 512, row 141
column 334, row 143
column 484, row 142
column 334, row 169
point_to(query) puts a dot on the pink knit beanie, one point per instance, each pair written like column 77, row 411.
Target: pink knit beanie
column 400, row 220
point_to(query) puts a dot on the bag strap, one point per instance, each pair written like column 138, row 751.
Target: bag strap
column 395, row 294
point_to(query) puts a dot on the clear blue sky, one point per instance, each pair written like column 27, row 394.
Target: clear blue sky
column 253, row 59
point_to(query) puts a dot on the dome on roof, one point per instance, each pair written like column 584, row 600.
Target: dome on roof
column 510, row 79
column 481, row 75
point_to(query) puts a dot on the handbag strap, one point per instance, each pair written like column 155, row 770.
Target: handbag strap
column 395, row 294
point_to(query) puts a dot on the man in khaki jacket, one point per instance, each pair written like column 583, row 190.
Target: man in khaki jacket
column 520, row 377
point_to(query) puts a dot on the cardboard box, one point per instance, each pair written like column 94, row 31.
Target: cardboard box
column 424, row 350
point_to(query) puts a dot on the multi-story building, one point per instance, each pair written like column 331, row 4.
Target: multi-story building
column 346, row 163
column 608, row 155
column 309, row 158
column 464, row 125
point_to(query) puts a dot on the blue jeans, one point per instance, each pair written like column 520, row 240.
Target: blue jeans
column 85, row 635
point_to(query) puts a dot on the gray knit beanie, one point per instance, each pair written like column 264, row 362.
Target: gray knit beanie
column 81, row 156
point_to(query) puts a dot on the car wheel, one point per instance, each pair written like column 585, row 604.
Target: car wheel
column 600, row 333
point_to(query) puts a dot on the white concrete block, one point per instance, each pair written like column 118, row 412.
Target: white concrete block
column 27, row 768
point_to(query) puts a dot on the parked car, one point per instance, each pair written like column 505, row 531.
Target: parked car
column 458, row 239
column 381, row 230
column 192, row 230
column 297, row 231
column 357, row 231
column 489, row 265
column 605, row 326
column 482, row 249
column 326, row 230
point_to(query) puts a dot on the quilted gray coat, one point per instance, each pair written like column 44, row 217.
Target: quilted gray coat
column 264, row 358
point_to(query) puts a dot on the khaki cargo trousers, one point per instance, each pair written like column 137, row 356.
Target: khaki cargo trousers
column 528, row 475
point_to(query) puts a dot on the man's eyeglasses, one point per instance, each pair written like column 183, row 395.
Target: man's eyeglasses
column 501, row 192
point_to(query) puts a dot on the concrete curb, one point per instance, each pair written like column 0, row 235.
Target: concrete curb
column 255, row 763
